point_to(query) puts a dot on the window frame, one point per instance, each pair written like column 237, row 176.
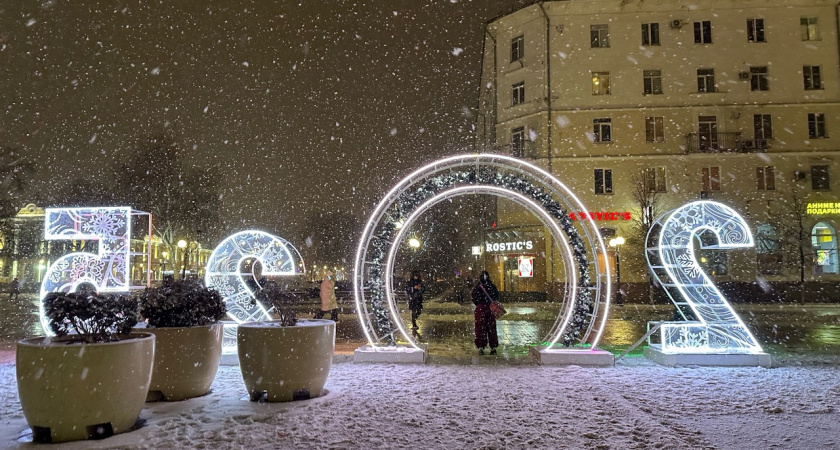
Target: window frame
column 599, row 35
column 703, row 32
column 517, row 141
column 759, row 78
column 650, row 34
column 710, row 179
column 809, row 29
column 816, row 126
column 600, row 125
column 762, row 126
column 820, row 181
column 655, row 180
column 603, row 181
column 765, row 178
column 649, row 82
column 517, row 48
column 755, row 30
column 518, row 94
column 812, row 78
column 654, row 129
column 703, row 76
column 599, row 81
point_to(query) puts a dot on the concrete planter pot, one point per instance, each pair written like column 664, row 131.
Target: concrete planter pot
column 186, row 361
column 282, row 364
column 72, row 391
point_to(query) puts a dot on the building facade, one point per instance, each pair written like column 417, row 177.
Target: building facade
column 642, row 107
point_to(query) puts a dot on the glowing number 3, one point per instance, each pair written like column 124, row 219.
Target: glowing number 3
column 107, row 270
column 718, row 329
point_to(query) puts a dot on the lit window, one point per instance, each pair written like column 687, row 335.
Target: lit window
column 600, row 83
column 808, row 28
column 824, row 244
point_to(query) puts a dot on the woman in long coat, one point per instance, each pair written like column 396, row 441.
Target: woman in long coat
column 414, row 288
column 328, row 300
column 483, row 294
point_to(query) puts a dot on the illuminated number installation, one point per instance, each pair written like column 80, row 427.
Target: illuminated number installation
column 718, row 329
column 277, row 257
column 107, row 270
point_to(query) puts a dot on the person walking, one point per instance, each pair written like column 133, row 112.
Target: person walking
column 14, row 289
column 414, row 288
column 328, row 300
column 483, row 294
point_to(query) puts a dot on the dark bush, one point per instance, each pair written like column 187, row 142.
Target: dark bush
column 185, row 303
column 94, row 317
column 280, row 301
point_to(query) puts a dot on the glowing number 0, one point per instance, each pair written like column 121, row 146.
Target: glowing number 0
column 718, row 329
column 223, row 274
column 107, row 270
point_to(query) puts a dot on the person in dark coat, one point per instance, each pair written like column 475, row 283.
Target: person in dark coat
column 483, row 294
column 14, row 289
column 414, row 288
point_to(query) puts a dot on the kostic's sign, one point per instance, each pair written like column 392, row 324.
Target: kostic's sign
column 508, row 246
column 614, row 215
column 818, row 209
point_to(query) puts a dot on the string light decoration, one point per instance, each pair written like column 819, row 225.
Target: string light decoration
column 717, row 328
column 499, row 175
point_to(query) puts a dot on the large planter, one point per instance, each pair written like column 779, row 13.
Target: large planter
column 186, row 361
column 72, row 391
column 281, row 364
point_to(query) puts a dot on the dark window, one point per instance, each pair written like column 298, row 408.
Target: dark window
column 654, row 129
column 711, row 178
column 518, row 93
column 703, row 32
column 758, row 79
column 706, row 80
column 811, row 76
column 762, row 126
column 603, row 132
column 517, row 141
column 816, row 125
column 755, row 30
column 599, row 35
column 655, row 179
column 517, row 48
column 603, row 181
column 765, row 178
column 819, row 178
column 652, row 81
column 650, row 34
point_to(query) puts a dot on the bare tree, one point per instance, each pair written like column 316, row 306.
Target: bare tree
column 790, row 235
column 648, row 205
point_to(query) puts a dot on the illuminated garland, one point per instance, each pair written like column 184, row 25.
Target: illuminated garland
column 410, row 200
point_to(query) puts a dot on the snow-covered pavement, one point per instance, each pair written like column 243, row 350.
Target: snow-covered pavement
column 636, row 404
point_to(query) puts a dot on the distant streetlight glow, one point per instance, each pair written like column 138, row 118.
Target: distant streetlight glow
column 414, row 243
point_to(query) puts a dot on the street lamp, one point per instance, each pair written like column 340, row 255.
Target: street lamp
column 414, row 243
column 617, row 242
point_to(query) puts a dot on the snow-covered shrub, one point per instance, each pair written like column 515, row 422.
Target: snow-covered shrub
column 94, row 317
column 281, row 301
column 184, row 303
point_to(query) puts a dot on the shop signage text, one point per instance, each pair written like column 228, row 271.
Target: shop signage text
column 508, row 246
column 600, row 215
column 817, row 209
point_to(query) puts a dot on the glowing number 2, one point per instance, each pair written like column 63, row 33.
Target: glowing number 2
column 107, row 270
column 223, row 274
column 718, row 329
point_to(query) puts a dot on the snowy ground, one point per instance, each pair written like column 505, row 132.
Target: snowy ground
column 492, row 404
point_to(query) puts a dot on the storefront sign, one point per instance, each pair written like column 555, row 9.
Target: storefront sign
column 526, row 267
column 600, row 215
column 818, row 209
column 508, row 246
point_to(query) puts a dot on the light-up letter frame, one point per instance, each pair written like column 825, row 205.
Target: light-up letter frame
column 717, row 328
column 107, row 270
column 224, row 274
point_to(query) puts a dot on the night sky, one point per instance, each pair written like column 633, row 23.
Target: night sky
column 308, row 106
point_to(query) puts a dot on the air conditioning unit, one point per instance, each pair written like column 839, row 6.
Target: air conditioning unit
column 677, row 23
column 748, row 145
column 743, row 75
column 800, row 176
column 704, row 194
column 761, row 144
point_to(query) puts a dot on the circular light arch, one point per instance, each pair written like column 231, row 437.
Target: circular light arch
column 519, row 181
